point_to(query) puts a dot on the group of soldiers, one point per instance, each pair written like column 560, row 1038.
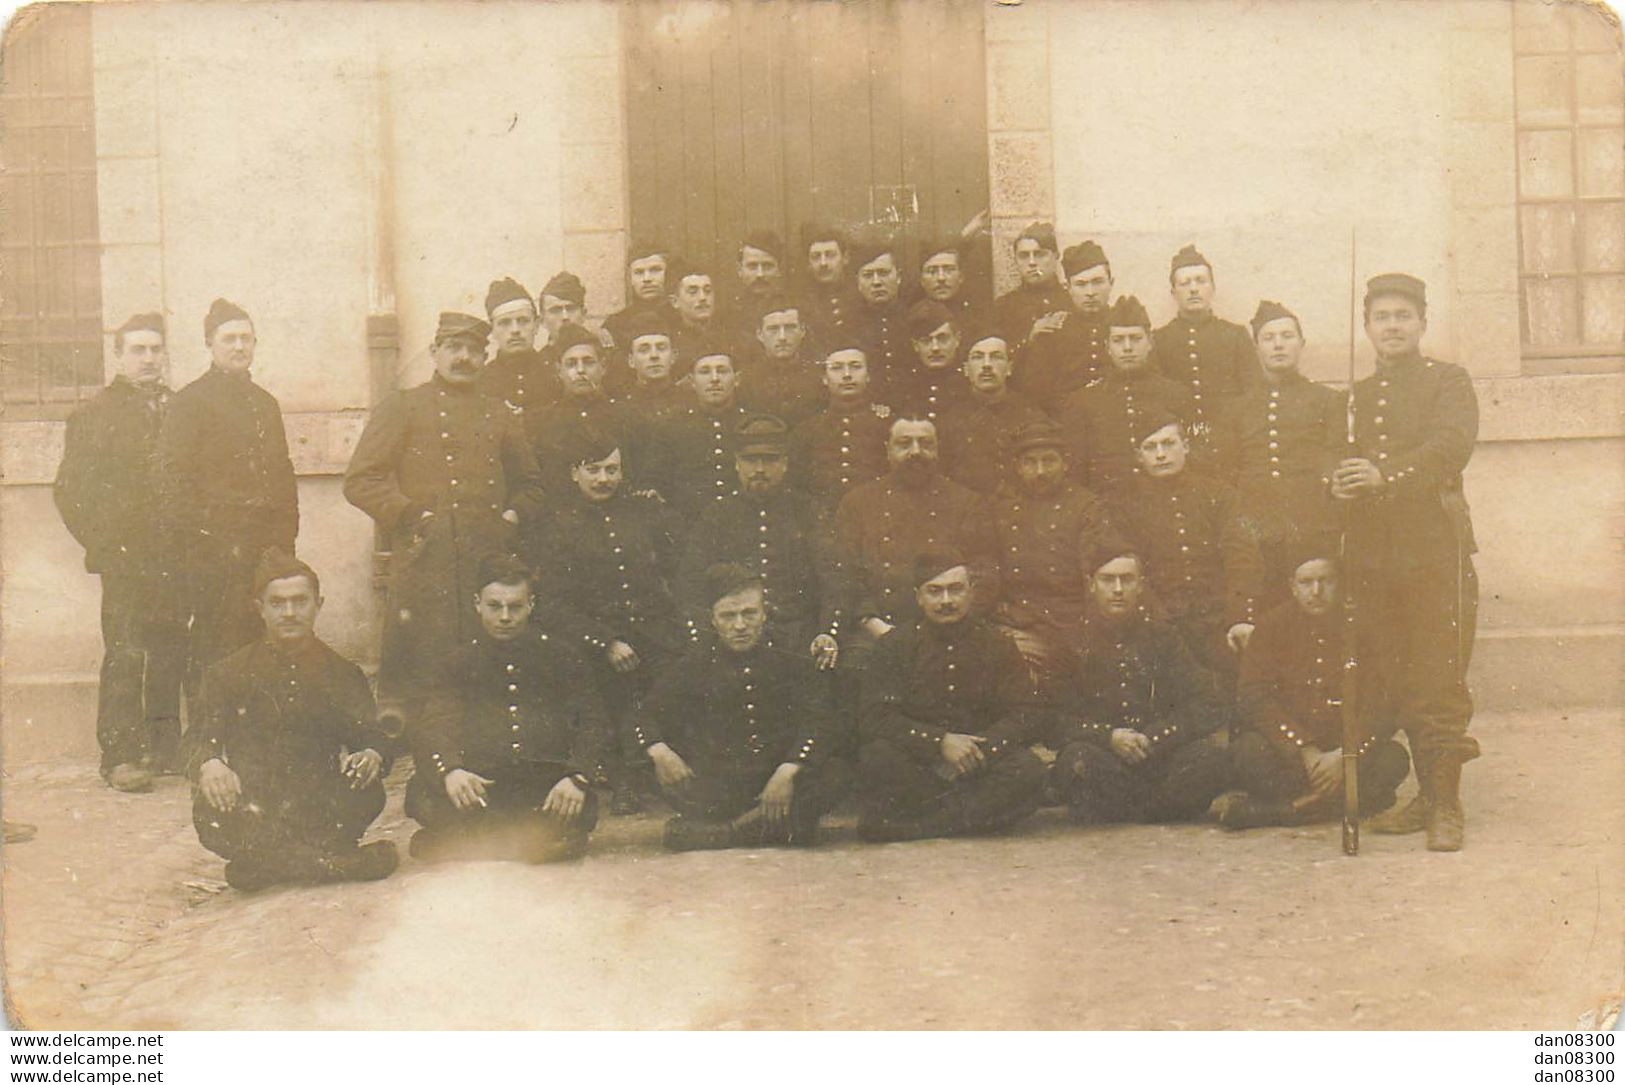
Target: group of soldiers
column 766, row 541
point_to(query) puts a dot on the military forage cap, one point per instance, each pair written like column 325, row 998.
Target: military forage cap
column 934, row 561
column 647, row 322
column 573, row 335
column 1145, row 423
column 762, row 435
column 1397, row 282
column 822, row 231
column 461, row 326
column 1082, row 257
column 277, row 564
column 646, row 246
column 725, row 578
column 221, row 312
column 1041, row 232
column 766, row 240
column 871, row 247
column 1039, row 433
column 1188, row 257
column 1272, row 310
column 502, row 292
column 565, row 285
column 953, row 244
column 1128, row 312
column 143, row 322
column 926, row 316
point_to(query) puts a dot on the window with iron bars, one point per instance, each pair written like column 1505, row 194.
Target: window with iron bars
column 50, row 265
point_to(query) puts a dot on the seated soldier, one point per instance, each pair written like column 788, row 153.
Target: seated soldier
column 1136, row 729
column 289, row 760
column 1287, row 758
column 605, row 566
column 946, row 714
column 735, row 731
column 511, row 729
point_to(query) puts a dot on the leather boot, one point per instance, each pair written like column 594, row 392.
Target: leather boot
column 1239, row 810
column 1410, row 818
column 1446, row 821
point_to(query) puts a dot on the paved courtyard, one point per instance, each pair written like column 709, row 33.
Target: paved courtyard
column 116, row 918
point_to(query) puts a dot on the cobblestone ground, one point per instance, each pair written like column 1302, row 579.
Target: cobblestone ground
column 116, row 918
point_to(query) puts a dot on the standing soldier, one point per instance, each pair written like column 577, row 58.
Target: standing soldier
column 944, row 279
column 1287, row 753
column 931, row 384
column 878, row 317
column 783, row 379
column 289, row 761
column 447, row 475
column 1067, row 350
column 1134, row 731
column 844, row 446
column 1212, row 357
column 977, row 431
column 736, row 731
column 229, row 488
column 577, row 358
column 826, row 289
column 758, row 274
column 106, row 490
column 1038, row 296
column 606, row 563
column 695, row 327
column 691, row 457
column 646, row 263
column 651, row 393
column 1043, row 525
column 511, row 741
column 519, row 375
column 1276, row 443
column 773, row 531
column 948, row 712
column 1103, row 417
column 1410, row 547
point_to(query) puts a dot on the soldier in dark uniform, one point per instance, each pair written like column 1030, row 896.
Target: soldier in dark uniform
column 650, row 393
column 1102, row 418
column 106, row 489
column 1044, row 524
column 783, row 377
column 606, row 561
column 1410, row 544
column 774, row 532
column 976, row 431
column 447, row 475
column 1277, row 442
column 827, row 291
column 881, row 527
column 844, row 446
column 878, row 317
column 931, row 383
column 1066, row 350
column 945, row 278
column 695, row 325
column 646, row 263
column 289, row 760
column 1201, row 557
column 1136, row 731
column 691, row 460
column 1287, row 756
column 758, row 275
column 518, row 375
column 948, row 711
column 1039, row 295
column 228, row 486
column 577, row 358
column 736, row 731
column 511, row 742
column 1212, row 357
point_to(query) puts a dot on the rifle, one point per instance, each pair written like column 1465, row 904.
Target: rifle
column 1351, row 661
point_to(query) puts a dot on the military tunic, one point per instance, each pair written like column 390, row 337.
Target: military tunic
column 840, row 448
column 1049, row 367
column 228, row 493
column 975, row 439
column 692, row 458
column 558, row 431
column 451, row 451
column 882, row 526
column 791, row 391
column 1214, row 358
column 693, row 342
column 883, row 332
column 1410, row 548
column 1042, row 541
column 918, row 392
column 1137, row 674
column 107, row 488
column 1102, row 417
column 926, row 681
column 828, row 309
column 1016, row 310
column 525, row 382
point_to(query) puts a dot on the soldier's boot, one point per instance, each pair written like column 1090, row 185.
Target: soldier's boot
column 1446, row 821
column 248, row 876
column 368, row 863
column 1239, row 810
column 697, row 834
column 433, row 845
column 129, row 777
column 1410, row 818
column 553, row 841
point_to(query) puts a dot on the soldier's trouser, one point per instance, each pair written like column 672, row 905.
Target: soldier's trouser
column 722, row 792
column 139, row 699
column 1418, row 625
column 512, row 810
column 905, row 798
column 220, row 578
column 290, row 828
column 1176, row 785
column 1266, row 772
column 1205, row 635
